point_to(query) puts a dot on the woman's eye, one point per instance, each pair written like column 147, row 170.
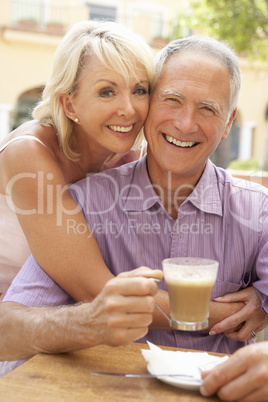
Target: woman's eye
column 105, row 93
column 141, row 91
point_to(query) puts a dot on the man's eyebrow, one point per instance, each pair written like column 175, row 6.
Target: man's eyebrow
column 213, row 105
column 170, row 92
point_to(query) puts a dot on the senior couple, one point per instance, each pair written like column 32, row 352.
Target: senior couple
column 157, row 201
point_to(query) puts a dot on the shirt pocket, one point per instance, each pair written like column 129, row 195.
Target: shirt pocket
column 221, row 288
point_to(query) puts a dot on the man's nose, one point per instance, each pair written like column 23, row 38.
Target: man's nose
column 185, row 121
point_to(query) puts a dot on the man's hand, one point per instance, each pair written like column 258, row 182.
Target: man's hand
column 142, row 272
column 243, row 377
column 124, row 309
column 120, row 314
column 240, row 325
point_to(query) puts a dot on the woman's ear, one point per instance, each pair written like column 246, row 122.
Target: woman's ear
column 67, row 106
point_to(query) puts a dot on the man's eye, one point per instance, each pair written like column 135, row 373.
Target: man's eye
column 173, row 100
column 207, row 108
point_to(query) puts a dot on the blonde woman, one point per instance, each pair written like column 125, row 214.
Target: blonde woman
column 90, row 118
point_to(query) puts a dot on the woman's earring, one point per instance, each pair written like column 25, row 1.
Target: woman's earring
column 76, row 120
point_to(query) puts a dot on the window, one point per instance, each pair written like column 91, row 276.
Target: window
column 25, row 104
column 148, row 19
column 101, row 12
column 31, row 10
column 38, row 13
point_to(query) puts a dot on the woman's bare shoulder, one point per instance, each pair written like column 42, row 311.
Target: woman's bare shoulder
column 29, row 148
column 32, row 131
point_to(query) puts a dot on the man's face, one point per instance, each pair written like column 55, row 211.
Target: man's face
column 188, row 115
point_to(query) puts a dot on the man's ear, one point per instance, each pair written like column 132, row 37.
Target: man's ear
column 67, row 106
column 229, row 124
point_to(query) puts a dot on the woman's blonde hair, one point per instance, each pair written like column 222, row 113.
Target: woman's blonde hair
column 117, row 47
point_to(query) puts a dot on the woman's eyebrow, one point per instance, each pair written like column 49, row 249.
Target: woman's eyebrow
column 105, row 80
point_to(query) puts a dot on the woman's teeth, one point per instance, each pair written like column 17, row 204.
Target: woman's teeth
column 121, row 129
column 172, row 140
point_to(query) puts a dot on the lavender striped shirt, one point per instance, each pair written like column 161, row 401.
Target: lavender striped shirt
column 224, row 219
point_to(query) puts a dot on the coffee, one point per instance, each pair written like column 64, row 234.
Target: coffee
column 189, row 300
column 189, row 283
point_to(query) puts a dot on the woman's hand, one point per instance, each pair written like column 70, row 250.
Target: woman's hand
column 251, row 317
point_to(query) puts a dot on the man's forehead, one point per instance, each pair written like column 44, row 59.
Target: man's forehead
column 179, row 64
column 191, row 70
column 171, row 72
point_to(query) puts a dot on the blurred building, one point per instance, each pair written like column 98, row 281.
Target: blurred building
column 30, row 31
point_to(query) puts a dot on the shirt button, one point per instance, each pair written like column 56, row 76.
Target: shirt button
column 171, row 234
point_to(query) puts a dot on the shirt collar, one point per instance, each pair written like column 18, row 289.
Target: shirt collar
column 205, row 196
column 141, row 195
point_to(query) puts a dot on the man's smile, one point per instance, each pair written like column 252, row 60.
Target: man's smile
column 183, row 144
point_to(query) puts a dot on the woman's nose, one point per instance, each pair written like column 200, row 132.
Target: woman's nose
column 126, row 107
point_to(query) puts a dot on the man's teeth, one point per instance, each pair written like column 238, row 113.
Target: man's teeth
column 121, row 129
column 179, row 143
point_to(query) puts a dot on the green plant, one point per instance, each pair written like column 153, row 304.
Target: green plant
column 250, row 164
column 242, row 23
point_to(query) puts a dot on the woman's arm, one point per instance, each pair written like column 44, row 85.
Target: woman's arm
column 31, row 175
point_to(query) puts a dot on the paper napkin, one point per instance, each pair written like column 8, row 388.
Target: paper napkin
column 177, row 362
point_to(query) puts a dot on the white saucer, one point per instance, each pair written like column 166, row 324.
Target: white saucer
column 183, row 383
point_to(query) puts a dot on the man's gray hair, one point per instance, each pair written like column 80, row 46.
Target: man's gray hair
column 211, row 47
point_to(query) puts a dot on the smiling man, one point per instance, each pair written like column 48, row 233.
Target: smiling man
column 172, row 203
column 190, row 114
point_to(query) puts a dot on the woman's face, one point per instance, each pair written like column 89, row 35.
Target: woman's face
column 111, row 110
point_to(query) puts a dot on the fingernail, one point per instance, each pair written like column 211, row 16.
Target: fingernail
column 212, row 333
column 203, row 390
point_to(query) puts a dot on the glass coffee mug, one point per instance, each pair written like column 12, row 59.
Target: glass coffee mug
column 189, row 283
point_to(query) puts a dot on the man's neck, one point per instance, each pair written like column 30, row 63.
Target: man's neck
column 172, row 189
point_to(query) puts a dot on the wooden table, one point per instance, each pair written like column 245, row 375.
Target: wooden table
column 66, row 377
